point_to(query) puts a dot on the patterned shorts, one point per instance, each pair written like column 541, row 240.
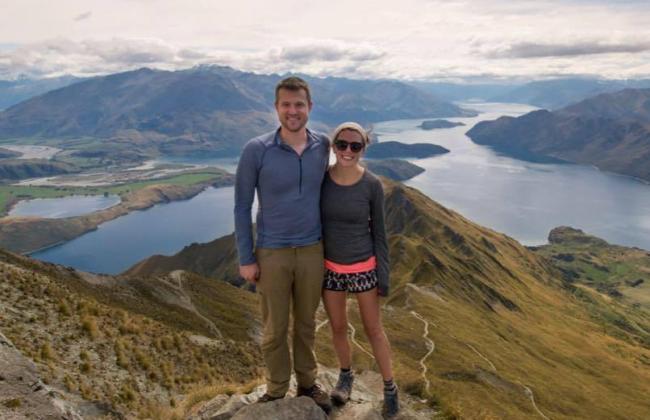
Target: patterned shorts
column 352, row 282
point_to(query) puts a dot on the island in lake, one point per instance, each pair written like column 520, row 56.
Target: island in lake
column 395, row 149
column 395, row 169
column 437, row 124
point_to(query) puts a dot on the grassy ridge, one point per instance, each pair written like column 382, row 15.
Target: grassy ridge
column 612, row 281
column 614, row 270
column 123, row 343
column 504, row 320
column 505, row 324
column 512, row 337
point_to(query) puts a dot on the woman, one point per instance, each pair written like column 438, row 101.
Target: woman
column 356, row 257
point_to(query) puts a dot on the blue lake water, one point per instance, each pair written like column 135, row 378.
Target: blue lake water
column 163, row 229
column 524, row 200
column 55, row 208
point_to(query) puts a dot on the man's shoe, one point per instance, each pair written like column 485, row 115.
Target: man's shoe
column 341, row 392
column 318, row 395
column 391, row 405
column 267, row 398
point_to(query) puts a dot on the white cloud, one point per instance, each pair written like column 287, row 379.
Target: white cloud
column 433, row 39
column 329, row 52
column 537, row 50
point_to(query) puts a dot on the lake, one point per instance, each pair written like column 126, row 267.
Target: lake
column 521, row 199
column 162, row 229
column 74, row 205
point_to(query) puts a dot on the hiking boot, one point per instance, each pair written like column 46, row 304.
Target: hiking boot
column 267, row 398
column 341, row 392
column 391, row 405
column 318, row 395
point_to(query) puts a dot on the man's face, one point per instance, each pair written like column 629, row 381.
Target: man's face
column 293, row 109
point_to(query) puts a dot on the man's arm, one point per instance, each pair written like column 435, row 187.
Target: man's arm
column 245, row 183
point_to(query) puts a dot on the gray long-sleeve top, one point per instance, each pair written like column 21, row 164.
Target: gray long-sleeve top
column 288, row 190
column 353, row 224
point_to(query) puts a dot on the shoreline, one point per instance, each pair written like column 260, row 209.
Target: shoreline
column 27, row 235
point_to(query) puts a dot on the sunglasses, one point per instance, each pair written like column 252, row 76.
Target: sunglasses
column 342, row 145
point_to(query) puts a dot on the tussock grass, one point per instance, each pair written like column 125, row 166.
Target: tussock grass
column 97, row 346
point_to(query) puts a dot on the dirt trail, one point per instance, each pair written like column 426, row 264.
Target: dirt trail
column 353, row 333
column 177, row 276
column 527, row 391
column 529, row 394
column 323, row 323
column 430, row 346
column 494, row 369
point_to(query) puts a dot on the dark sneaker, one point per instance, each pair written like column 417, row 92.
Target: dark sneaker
column 391, row 405
column 267, row 398
column 341, row 392
column 318, row 395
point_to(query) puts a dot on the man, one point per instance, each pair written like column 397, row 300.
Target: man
column 286, row 167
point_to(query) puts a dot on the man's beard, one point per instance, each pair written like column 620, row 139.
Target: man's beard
column 287, row 126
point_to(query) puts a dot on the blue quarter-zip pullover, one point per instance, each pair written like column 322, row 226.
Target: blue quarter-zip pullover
column 288, row 190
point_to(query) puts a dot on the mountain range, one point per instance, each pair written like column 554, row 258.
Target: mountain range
column 21, row 89
column 549, row 94
column 204, row 109
column 610, row 131
column 558, row 93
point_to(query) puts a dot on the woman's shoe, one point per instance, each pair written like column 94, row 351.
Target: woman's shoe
column 341, row 392
column 391, row 405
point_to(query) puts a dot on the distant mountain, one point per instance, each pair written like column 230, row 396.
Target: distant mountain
column 6, row 153
column 610, row 131
column 205, row 109
column 15, row 91
column 505, row 326
column 465, row 91
column 557, row 93
column 14, row 169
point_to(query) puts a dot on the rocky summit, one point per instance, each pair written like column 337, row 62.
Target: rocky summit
column 365, row 403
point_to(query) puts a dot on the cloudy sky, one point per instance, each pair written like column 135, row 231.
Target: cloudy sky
column 474, row 40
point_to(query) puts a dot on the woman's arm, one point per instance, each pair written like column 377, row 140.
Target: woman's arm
column 378, row 230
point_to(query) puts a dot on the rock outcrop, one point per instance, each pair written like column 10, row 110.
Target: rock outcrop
column 365, row 403
column 23, row 394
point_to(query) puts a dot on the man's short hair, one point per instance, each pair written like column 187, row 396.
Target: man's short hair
column 294, row 84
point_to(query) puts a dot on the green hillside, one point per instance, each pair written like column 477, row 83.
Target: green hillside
column 512, row 338
column 481, row 327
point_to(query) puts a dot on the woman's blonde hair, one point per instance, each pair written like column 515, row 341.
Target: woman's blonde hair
column 352, row 126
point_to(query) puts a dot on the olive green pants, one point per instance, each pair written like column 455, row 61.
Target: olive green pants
column 290, row 281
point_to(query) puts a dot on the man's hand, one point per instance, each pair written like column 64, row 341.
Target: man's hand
column 250, row 272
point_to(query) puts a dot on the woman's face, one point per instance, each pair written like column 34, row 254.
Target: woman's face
column 348, row 157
